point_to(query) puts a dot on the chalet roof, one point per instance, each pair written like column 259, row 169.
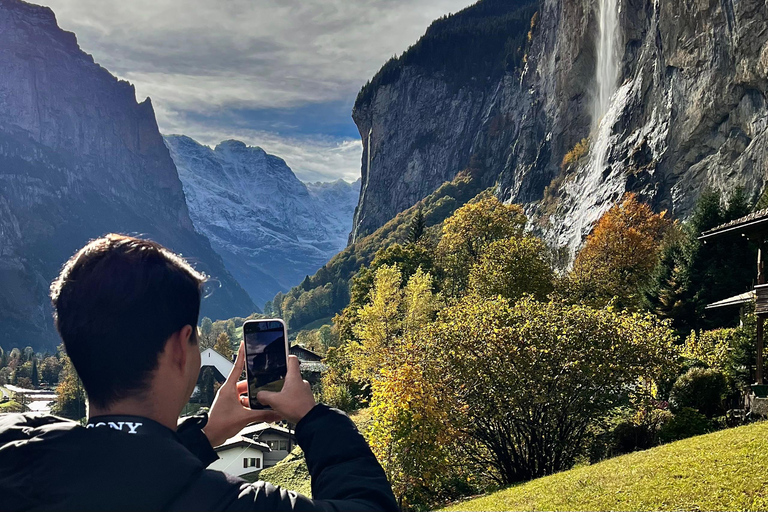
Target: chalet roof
column 299, row 350
column 259, row 428
column 210, row 357
column 754, row 223
column 239, row 440
column 736, row 300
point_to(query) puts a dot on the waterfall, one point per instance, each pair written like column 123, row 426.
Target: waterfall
column 608, row 44
column 606, row 78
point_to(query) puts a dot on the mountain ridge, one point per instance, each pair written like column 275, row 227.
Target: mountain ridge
column 79, row 157
column 270, row 228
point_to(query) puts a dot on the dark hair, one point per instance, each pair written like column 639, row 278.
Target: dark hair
column 116, row 302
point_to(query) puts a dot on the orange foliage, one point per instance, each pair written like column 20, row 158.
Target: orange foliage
column 619, row 256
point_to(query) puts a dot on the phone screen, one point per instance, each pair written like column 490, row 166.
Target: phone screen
column 265, row 357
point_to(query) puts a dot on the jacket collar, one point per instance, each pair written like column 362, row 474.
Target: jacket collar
column 137, row 425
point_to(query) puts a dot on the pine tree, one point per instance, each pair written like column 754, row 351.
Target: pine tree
column 692, row 274
column 416, row 230
column 35, row 377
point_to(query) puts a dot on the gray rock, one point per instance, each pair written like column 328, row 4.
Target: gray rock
column 690, row 113
column 79, row 157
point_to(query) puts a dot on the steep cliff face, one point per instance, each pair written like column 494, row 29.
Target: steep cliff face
column 270, row 228
column 79, row 157
column 688, row 112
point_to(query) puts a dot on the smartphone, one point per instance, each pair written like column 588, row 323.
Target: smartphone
column 266, row 357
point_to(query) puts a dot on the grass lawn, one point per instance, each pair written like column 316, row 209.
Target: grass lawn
column 290, row 473
column 725, row 470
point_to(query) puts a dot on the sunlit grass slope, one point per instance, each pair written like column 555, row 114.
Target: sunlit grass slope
column 726, row 470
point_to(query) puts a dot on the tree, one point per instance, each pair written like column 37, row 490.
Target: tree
column 408, row 430
column 690, row 275
column 70, row 394
column 416, row 229
column 223, row 346
column 207, row 386
column 525, row 381
column 513, row 267
column 50, row 368
column 619, row 256
column 379, row 324
column 469, row 231
column 35, row 375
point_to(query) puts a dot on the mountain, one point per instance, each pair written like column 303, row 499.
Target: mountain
column 270, row 228
column 668, row 97
column 79, row 157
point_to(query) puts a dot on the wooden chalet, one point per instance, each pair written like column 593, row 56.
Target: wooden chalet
column 754, row 227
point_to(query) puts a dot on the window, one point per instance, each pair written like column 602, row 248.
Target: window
column 283, row 445
column 252, row 462
column 273, row 445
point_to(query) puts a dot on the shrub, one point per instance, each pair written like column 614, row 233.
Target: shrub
column 686, row 423
column 577, row 153
column 700, row 389
column 11, row 406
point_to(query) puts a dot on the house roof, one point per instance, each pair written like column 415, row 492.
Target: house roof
column 210, row 357
column 259, row 428
column 299, row 351
column 240, row 441
column 736, row 300
column 753, row 224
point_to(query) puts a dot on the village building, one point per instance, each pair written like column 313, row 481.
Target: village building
column 240, row 456
column 280, row 440
column 753, row 227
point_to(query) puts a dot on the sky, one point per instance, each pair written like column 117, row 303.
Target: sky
column 280, row 74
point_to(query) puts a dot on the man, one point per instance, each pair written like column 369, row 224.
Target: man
column 127, row 311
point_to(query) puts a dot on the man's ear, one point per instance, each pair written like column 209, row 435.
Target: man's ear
column 178, row 345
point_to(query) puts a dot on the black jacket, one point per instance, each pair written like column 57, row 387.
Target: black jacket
column 47, row 463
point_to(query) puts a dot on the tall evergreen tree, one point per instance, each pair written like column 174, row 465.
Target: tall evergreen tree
column 693, row 274
column 35, row 377
column 418, row 224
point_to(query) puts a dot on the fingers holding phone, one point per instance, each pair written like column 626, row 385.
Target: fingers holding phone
column 295, row 400
column 228, row 413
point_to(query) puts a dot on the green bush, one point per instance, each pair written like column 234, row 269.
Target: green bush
column 686, row 423
column 701, row 389
column 11, row 406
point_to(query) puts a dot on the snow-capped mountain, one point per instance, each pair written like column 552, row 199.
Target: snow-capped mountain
column 270, row 229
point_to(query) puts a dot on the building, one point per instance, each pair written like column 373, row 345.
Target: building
column 305, row 355
column 312, row 367
column 240, row 455
column 279, row 440
column 214, row 367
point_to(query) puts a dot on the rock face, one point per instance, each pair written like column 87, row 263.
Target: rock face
column 689, row 113
column 79, row 157
column 270, row 228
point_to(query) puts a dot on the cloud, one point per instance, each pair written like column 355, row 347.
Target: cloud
column 229, row 61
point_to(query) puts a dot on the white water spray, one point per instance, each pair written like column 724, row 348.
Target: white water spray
column 608, row 45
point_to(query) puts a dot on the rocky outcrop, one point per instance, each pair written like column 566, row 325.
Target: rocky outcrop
column 79, row 157
column 689, row 113
column 270, row 228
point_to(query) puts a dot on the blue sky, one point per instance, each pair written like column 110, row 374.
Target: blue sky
column 280, row 74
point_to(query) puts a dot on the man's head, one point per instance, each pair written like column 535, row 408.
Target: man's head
column 123, row 305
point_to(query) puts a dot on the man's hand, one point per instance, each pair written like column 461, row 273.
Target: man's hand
column 295, row 400
column 228, row 415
